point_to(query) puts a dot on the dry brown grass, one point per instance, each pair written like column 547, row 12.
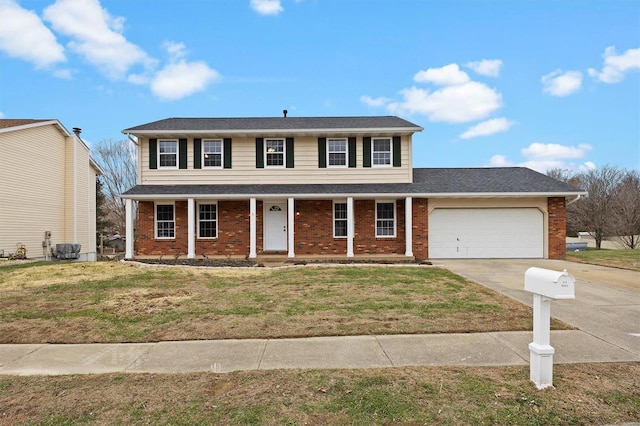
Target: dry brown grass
column 584, row 394
column 121, row 302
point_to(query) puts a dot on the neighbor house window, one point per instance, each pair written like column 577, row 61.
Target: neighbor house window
column 381, row 153
column 385, row 219
column 274, row 152
column 337, row 152
column 340, row 220
column 165, row 221
column 208, row 220
column 168, row 154
column 212, row 153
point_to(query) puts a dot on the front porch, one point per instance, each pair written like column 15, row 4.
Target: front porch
column 291, row 228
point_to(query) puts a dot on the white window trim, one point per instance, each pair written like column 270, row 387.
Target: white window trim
column 333, row 214
column 198, row 218
column 284, row 153
column 155, row 219
column 160, row 166
column 221, row 141
column 373, row 151
column 346, row 152
column 395, row 218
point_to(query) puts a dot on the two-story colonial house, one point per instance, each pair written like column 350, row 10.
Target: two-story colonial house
column 339, row 187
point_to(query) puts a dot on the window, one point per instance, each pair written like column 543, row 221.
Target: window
column 208, row 220
column 385, row 219
column 274, row 152
column 165, row 221
column 337, row 150
column 381, row 152
column 212, row 153
column 340, row 220
column 168, row 154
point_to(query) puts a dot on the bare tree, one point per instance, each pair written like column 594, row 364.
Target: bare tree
column 626, row 217
column 118, row 160
column 595, row 212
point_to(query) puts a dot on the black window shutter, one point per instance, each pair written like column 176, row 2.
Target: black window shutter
column 366, row 152
column 153, row 153
column 227, row 153
column 259, row 153
column 289, row 153
column 397, row 151
column 322, row 153
column 352, row 152
column 197, row 153
column 182, row 148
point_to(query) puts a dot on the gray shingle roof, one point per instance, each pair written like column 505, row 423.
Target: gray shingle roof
column 273, row 123
column 427, row 182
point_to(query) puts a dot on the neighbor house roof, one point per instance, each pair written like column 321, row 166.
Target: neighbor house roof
column 280, row 125
column 465, row 182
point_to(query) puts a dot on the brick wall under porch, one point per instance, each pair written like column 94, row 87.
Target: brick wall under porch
column 313, row 230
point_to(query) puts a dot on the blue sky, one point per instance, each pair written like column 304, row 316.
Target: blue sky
column 543, row 84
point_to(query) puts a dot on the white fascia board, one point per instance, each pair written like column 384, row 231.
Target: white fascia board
column 404, row 130
column 37, row 124
column 378, row 195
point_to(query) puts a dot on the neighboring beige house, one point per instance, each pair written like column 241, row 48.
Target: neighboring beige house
column 338, row 187
column 47, row 184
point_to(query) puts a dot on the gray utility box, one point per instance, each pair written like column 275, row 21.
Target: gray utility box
column 68, row 251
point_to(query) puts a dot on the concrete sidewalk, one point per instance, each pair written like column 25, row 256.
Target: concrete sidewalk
column 221, row 356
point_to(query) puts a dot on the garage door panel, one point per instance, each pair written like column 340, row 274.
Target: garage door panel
column 486, row 233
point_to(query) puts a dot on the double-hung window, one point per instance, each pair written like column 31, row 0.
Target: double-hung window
column 165, row 221
column 385, row 219
column 212, row 153
column 337, row 152
column 207, row 220
column 340, row 221
column 274, row 152
column 168, row 153
column 381, row 152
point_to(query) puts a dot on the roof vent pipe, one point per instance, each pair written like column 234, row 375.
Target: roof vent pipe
column 77, row 131
column 284, row 111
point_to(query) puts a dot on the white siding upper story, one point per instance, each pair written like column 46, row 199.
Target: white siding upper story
column 47, row 183
column 306, row 166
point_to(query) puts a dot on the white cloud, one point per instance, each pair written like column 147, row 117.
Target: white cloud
column 267, row 7
column 488, row 67
column 543, row 157
column 181, row 79
column 374, row 102
column 23, row 35
column 558, row 83
column 486, row 128
column 1, row 114
column 454, row 104
column 445, row 76
column 616, row 66
column 97, row 36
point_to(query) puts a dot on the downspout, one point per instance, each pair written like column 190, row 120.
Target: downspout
column 574, row 200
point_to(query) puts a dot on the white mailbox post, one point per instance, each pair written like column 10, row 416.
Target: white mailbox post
column 545, row 285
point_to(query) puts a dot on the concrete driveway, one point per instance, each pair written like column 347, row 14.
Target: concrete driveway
column 607, row 303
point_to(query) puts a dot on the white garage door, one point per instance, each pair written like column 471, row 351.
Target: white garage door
column 486, row 233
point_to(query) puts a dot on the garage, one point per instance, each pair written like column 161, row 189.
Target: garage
column 486, row 233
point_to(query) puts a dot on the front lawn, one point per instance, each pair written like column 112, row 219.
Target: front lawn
column 122, row 302
column 627, row 258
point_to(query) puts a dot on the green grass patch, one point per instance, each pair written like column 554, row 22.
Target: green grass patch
column 626, row 258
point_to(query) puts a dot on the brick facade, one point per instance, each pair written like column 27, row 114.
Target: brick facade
column 557, row 227
column 313, row 230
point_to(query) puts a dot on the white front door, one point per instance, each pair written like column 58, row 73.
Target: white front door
column 275, row 226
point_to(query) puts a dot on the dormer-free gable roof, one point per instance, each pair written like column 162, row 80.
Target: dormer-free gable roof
column 280, row 125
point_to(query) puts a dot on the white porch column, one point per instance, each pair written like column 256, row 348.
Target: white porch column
column 128, row 204
column 350, row 226
column 252, row 228
column 408, row 225
column 291, row 226
column 191, row 228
